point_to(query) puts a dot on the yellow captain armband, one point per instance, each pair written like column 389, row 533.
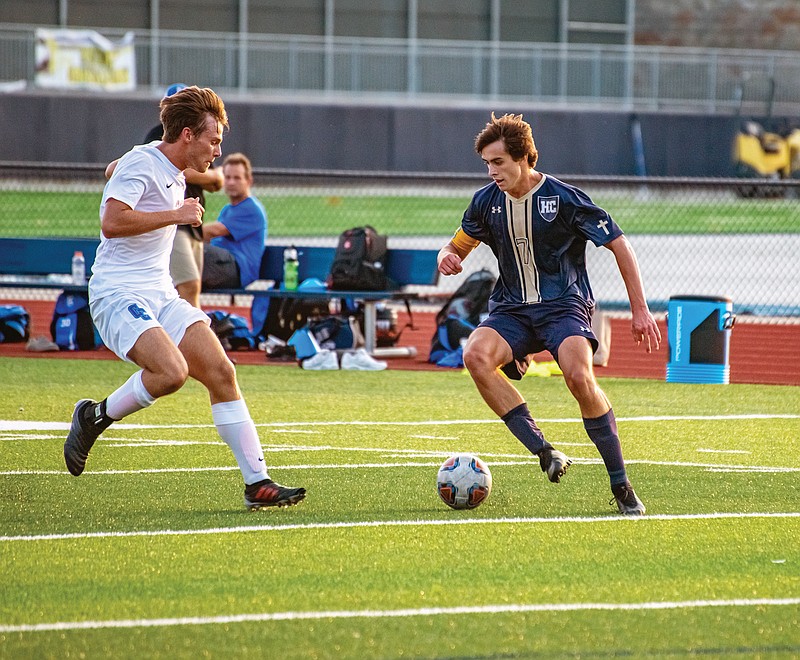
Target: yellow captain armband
column 464, row 243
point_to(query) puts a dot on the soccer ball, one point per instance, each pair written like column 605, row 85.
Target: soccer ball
column 464, row 481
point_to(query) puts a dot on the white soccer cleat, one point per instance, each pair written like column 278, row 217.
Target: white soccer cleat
column 324, row 360
column 360, row 360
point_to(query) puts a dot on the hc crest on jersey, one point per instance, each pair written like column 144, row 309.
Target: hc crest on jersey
column 548, row 208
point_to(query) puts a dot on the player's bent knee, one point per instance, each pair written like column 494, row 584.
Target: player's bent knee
column 581, row 383
column 472, row 358
column 174, row 378
column 486, row 351
column 477, row 360
column 225, row 372
column 218, row 376
column 164, row 382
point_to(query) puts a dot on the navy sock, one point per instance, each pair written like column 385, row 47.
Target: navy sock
column 603, row 433
column 521, row 424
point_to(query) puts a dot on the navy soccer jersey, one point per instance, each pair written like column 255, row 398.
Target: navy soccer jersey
column 539, row 240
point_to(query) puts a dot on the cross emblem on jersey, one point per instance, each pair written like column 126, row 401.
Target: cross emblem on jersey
column 602, row 225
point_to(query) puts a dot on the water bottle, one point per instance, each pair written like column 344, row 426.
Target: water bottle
column 78, row 269
column 291, row 266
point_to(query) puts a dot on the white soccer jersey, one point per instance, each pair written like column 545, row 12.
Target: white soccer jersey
column 145, row 180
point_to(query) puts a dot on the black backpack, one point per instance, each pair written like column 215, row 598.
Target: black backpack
column 72, row 327
column 281, row 316
column 359, row 262
column 459, row 316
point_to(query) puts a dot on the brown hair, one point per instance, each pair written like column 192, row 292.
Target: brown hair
column 238, row 158
column 514, row 132
column 188, row 108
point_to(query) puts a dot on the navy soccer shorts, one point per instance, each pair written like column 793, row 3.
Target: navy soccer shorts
column 530, row 329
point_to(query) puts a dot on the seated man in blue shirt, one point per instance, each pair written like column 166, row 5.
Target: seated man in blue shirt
column 235, row 243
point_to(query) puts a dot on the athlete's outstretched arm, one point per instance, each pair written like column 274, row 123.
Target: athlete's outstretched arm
column 452, row 254
column 643, row 326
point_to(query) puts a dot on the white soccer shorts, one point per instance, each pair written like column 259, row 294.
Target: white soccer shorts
column 121, row 318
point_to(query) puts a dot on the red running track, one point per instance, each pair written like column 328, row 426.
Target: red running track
column 767, row 353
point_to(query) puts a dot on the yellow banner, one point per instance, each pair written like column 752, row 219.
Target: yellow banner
column 84, row 59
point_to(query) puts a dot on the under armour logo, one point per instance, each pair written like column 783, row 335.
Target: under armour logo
column 497, row 209
column 602, row 225
column 138, row 312
column 585, row 329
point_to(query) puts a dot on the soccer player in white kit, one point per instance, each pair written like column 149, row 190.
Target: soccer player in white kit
column 136, row 309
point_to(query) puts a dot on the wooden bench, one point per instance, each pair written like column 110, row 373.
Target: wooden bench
column 29, row 261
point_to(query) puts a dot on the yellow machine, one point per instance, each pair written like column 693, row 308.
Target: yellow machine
column 765, row 151
column 761, row 154
column 793, row 142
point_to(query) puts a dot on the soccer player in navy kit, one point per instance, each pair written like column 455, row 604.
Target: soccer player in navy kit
column 537, row 227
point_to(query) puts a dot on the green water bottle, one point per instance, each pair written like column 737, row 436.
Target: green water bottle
column 291, row 266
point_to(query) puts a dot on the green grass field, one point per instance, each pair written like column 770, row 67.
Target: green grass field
column 150, row 553
column 40, row 213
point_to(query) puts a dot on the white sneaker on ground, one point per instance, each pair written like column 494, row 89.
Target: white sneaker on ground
column 271, row 343
column 360, row 360
column 324, row 360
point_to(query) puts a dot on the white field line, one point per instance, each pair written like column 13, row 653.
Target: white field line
column 413, row 460
column 112, row 442
column 324, row 466
column 396, row 523
column 23, row 425
column 711, row 467
column 388, row 452
column 519, row 459
column 489, row 609
column 402, row 613
column 703, row 450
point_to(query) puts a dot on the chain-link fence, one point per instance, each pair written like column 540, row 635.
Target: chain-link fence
column 570, row 75
column 692, row 236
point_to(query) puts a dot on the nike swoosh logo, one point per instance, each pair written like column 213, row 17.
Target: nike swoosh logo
column 261, row 459
column 170, row 184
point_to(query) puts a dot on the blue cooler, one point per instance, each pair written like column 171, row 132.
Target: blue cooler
column 304, row 343
column 699, row 336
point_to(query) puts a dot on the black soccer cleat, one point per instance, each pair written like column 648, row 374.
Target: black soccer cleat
column 81, row 437
column 553, row 463
column 268, row 493
column 627, row 501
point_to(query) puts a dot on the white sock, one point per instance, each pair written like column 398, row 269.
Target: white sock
column 236, row 428
column 129, row 398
